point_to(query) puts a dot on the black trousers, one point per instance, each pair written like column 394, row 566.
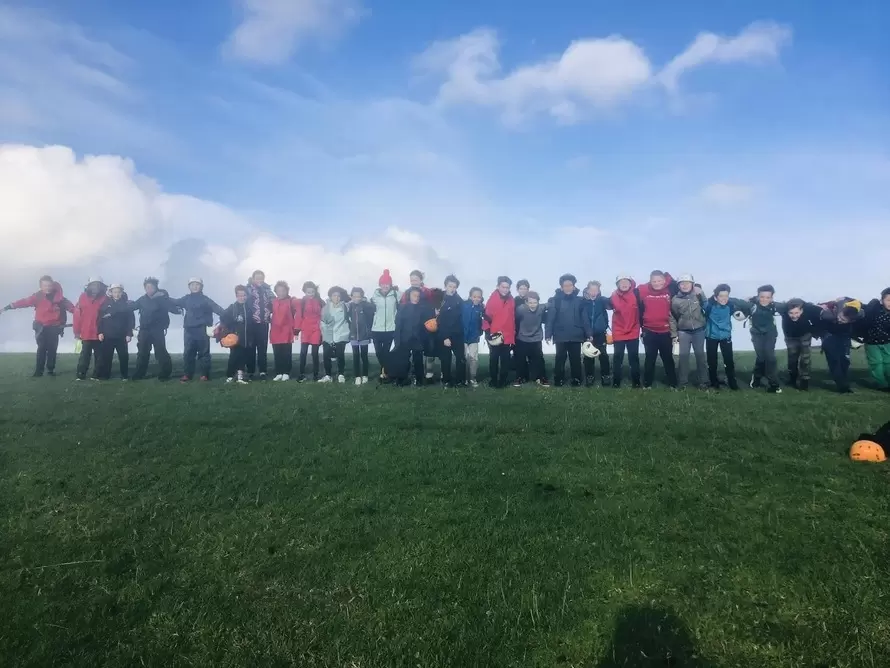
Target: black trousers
column 529, row 361
column 599, row 340
column 382, row 343
column 237, row 360
column 109, row 347
column 47, row 348
column 284, row 358
column 499, row 364
column 257, row 347
column 304, row 352
column 459, row 352
column 632, row 348
column 197, row 349
column 360, row 360
column 90, row 350
column 658, row 345
column 572, row 351
column 332, row 350
column 837, row 355
column 725, row 348
column 144, row 343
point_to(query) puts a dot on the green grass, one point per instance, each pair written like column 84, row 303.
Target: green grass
column 303, row 525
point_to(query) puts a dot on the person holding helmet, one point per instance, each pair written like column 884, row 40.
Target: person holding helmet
column 687, row 323
column 50, row 315
column 154, row 307
column 720, row 310
column 410, row 338
column 116, row 324
column 599, row 326
column 655, row 317
column 86, row 326
column 568, row 326
column 625, row 305
column 199, row 310
column 500, row 322
column 237, row 320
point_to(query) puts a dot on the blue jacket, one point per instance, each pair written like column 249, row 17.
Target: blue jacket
column 599, row 318
column 568, row 318
column 719, row 318
column 199, row 310
column 471, row 316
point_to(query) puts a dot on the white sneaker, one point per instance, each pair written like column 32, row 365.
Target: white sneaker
column 429, row 375
column 473, row 383
column 358, row 381
column 277, row 378
column 364, row 380
column 285, row 377
column 262, row 376
column 230, row 380
column 326, row 379
column 341, row 378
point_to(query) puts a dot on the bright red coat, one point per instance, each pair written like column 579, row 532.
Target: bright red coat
column 500, row 317
column 308, row 320
column 86, row 316
column 47, row 311
column 284, row 319
column 656, row 307
column 625, row 314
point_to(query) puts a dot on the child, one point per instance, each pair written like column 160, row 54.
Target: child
column 599, row 325
column 86, row 326
column 416, row 278
column 522, row 289
column 334, row 334
column 876, row 333
column 801, row 322
column 410, row 337
column 568, row 326
column 625, row 305
column 529, row 339
column 259, row 308
column 307, row 320
column 839, row 320
column 500, row 317
column 383, row 330
column 687, row 322
column 450, row 335
column 471, row 317
column 763, row 336
column 655, row 315
column 282, row 330
column 50, row 315
column 154, row 307
column 719, row 310
column 116, row 324
column 199, row 310
column 361, row 318
column 237, row 321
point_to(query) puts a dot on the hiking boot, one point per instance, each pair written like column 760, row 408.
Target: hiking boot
column 792, row 380
column 543, row 382
column 606, row 381
column 517, row 383
column 774, row 389
column 803, row 385
column 590, row 381
column 185, row 379
column 51, row 373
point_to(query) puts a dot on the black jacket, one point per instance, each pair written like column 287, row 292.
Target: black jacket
column 451, row 324
column 361, row 319
column 410, row 332
column 568, row 318
column 116, row 319
column 199, row 309
column 154, row 311
column 234, row 319
column 810, row 322
column 874, row 328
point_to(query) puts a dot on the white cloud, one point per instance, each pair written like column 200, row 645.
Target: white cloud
column 760, row 41
column 591, row 75
column 272, row 30
column 726, row 194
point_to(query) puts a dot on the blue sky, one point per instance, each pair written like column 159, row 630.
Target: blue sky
column 325, row 139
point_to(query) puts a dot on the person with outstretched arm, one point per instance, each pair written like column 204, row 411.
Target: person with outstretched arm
column 199, row 310
column 154, row 307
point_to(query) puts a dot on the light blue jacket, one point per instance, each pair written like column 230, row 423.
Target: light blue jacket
column 334, row 323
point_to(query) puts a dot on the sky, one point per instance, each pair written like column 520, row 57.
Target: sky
column 327, row 140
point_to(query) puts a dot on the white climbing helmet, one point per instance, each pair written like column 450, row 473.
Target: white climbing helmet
column 738, row 315
column 686, row 278
column 589, row 350
column 496, row 339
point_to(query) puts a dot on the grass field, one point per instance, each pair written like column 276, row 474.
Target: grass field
column 150, row 524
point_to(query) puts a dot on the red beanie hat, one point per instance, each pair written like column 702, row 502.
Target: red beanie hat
column 385, row 279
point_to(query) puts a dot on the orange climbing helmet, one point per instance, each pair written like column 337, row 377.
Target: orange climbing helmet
column 432, row 325
column 867, row 451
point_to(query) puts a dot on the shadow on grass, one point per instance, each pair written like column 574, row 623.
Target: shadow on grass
column 650, row 637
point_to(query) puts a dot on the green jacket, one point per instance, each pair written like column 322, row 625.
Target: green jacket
column 386, row 307
column 334, row 323
column 763, row 318
column 687, row 313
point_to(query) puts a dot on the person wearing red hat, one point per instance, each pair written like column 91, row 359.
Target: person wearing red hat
column 386, row 300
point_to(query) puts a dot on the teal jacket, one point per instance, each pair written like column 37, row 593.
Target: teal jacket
column 719, row 326
column 763, row 318
column 334, row 323
column 386, row 307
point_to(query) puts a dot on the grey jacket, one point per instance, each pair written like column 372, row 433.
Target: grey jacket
column 530, row 324
column 334, row 323
column 687, row 313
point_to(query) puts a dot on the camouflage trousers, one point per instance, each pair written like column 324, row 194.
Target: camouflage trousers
column 799, row 355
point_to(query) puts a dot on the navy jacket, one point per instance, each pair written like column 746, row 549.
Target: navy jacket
column 599, row 318
column 568, row 318
column 199, row 310
column 451, row 323
column 154, row 311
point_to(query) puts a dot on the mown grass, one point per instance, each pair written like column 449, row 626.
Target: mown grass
column 303, row 525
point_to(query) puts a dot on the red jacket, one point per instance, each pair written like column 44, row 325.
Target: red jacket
column 308, row 320
column 426, row 295
column 47, row 307
column 500, row 316
column 626, row 314
column 284, row 312
column 86, row 316
column 656, row 307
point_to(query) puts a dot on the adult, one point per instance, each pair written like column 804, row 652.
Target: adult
column 500, row 318
column 50, row 316
column 383, row 330
column 86, row 326
column 568, row 326
column 154, row 307
column 259, row 311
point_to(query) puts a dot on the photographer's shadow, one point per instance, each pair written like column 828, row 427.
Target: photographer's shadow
column 649, row 637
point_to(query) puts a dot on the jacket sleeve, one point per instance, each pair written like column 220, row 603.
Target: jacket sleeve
column 102, row 319
column 76, row 324
column 24, row 303
column 586, row 308
column 180, row 303
column 486, row 317
column 68, row 305
column 216, row 308
column 549, row 315
column 298, row 314
column 673, row 321
column 400, row 318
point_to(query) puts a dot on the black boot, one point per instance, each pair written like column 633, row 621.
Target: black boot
column 792, row 379
column 803, row 385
